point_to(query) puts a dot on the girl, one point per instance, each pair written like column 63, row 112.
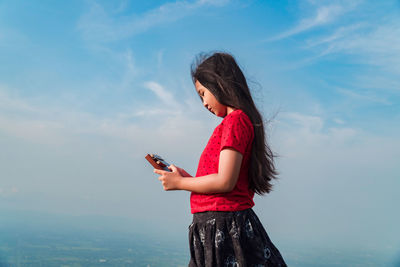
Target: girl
column 236, row 163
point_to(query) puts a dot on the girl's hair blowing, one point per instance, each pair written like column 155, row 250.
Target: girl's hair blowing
column 221, row 75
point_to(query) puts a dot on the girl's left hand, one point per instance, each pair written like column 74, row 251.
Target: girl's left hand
column 170, row 180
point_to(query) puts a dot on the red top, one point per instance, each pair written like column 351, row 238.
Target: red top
column 235, row 131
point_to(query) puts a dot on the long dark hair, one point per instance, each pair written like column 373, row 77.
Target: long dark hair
column 222, row 76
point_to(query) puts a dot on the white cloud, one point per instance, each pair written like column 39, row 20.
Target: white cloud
column 37, row 130
column 317, row 162
column 131, row 70
column 99, row 25
column 324, row 14
column 338, row 121
column 122, row 6
column 369, row 39
column 335, row 176
column 355, row 38
column 372, row 43
column 166, row 97
column 383, row 81
column 8, row 102
column 213, row 2
column 10, row 38
column 303, row 137
column 366, row 97
column 154, row 112
column 160, row 56
column 130, row 64
column 307, row 123
column 140, row 126
column 337, row 34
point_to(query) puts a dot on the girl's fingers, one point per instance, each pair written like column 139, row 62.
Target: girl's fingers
column 173, row 168
column 160, row 172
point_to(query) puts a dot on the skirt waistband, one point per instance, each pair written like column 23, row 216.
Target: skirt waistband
column 207, row 215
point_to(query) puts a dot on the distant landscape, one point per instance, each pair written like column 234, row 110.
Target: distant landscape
column 43, row 240
column 42, row 248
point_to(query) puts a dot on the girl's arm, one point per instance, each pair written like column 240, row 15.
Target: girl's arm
column 225, row 180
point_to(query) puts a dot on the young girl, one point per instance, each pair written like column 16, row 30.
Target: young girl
column 236, row 163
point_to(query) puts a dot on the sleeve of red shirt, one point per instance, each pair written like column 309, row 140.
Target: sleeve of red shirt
column 236, row 133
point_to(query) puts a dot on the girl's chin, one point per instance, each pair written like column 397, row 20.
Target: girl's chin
column 218, row 114
column 221, row 115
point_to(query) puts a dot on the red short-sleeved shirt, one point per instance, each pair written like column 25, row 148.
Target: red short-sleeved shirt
column 235, row 131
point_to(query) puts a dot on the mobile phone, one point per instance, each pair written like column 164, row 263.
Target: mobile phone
column 157, row 162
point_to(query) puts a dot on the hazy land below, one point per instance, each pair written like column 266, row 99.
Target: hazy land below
column 38, row 239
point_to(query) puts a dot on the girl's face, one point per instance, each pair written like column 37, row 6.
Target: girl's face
column 210, row 102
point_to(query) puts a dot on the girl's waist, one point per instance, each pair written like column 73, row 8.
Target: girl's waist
column 209, row 215
column 228, row 202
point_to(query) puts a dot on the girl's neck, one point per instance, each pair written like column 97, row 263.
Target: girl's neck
column 229, row 110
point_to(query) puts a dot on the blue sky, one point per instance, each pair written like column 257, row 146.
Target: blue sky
column 88, row 88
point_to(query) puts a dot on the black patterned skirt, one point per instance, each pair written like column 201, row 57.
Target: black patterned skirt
column 235, row 238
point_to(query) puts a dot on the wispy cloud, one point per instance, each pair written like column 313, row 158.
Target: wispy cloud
column 318, row 162
column 324, row 14
column 10, row 38
column 166, row 97
column 369, row 40
column 341, row 33
column 13, row 103
column 21, row 118
column 384, row 82
column 309, row 123
column 101, row 26
column 131, row 70
column 374, row 44
column 365, row 97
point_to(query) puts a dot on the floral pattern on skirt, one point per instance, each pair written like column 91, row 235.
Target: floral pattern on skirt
column 231, row 239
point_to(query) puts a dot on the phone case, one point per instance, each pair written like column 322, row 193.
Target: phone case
column 157, row 162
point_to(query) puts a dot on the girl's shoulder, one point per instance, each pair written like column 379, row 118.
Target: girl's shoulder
column 236, row 115
column 237, row 119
